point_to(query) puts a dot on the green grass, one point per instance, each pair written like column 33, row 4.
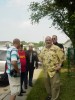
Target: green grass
column 67, row 87
column 38, row 92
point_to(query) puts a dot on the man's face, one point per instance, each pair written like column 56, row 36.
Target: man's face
column 30, row 48
column 48, row 41
column 18, row 45
column 21, row 48
column 54, row 39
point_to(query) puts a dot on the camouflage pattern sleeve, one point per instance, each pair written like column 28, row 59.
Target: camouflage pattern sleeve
column 40, row 56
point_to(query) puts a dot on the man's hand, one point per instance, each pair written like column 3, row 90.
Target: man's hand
column 40, row 63
column 14, row 63
column 36, row 67
column 58, row 67
column 18, row 71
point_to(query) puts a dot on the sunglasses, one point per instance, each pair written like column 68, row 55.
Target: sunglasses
column 53, row 38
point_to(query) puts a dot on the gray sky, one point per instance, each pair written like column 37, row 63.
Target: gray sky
column 15, row 23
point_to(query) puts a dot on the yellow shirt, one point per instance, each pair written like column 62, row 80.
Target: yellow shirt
column 50, row 58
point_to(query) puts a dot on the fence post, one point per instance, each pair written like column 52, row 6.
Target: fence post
column 71, row 61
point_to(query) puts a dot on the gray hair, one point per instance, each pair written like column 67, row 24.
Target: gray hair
column 15, row 41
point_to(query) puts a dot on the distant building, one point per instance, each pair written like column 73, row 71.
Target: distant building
column 5, row 43
column 67, row 44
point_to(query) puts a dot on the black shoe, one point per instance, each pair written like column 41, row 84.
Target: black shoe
column 20, row 94
column 30, row 85
column 48, row 98
column 23, row 91
column 26, row 87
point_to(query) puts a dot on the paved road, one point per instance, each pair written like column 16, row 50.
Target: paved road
column 5, row 92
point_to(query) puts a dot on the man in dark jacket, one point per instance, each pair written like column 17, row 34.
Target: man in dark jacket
column 32, row 63
column 54, row 39
column 55, row 42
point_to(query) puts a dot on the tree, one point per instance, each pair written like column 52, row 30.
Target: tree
column 41, row 43
column 24, row 43
column 62, row 12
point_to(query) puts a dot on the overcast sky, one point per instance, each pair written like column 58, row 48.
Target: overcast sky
column 15, row 23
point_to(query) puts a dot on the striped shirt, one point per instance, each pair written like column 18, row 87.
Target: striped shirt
column 12, row 55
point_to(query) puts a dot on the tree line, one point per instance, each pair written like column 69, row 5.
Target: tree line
column 39, row 44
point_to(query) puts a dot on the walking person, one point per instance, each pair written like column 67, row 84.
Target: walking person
column 55, row 42
column 51, row 57
column 14, row 69
column 32, row 63
column 22, row 56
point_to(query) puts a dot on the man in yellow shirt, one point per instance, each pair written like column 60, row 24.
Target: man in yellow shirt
column 51, row 57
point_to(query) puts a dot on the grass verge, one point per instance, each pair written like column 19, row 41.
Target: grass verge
column 38, row 92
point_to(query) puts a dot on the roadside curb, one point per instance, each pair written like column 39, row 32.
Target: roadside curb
column 2, row 96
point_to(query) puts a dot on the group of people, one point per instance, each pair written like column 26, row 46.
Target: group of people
column 19, row 64
column 51, row 57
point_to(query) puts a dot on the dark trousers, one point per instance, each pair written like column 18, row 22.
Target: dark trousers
column 30, row 72
column 23, row 74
